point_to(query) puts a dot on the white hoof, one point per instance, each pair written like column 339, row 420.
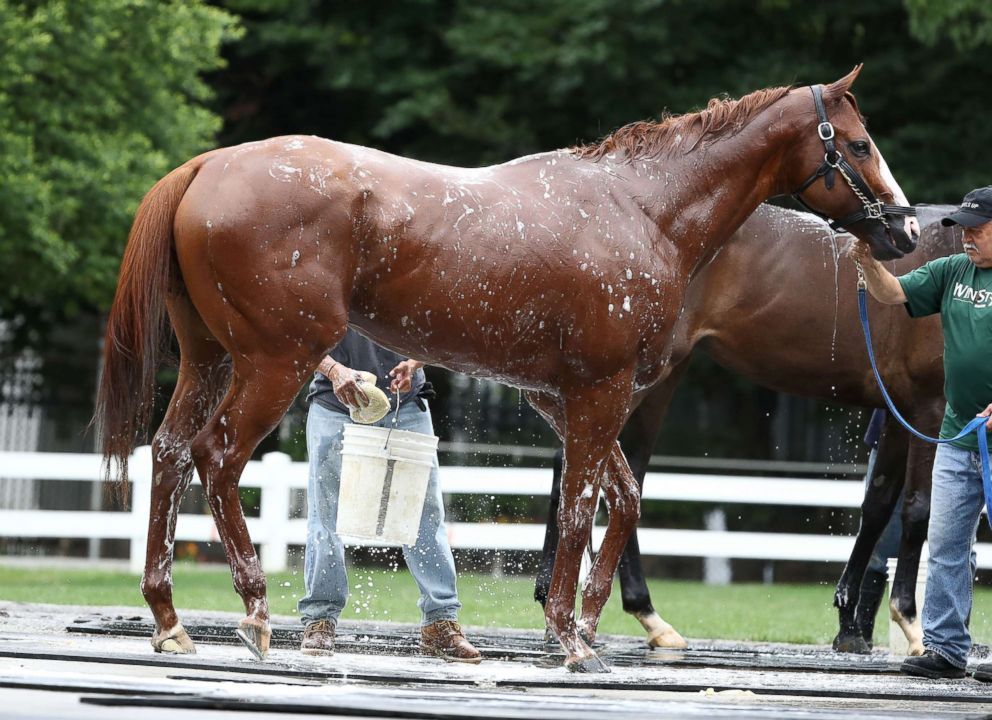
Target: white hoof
column 174, row 641
column 661, row 634
column 912, row 630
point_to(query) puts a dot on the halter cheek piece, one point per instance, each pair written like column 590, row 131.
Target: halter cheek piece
column 872, row 208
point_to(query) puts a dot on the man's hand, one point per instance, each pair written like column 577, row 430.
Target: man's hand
column 345, row 382
column 860, row 252
column 402, row 376
column 987, row 412
column 882, row 284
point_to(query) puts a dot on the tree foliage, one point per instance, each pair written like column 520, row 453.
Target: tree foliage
column 98, row 99
column 465, row 82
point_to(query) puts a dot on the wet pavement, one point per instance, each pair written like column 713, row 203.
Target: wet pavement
column 63, row 661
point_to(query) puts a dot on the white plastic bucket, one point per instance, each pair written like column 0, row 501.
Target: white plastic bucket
column 384, row 475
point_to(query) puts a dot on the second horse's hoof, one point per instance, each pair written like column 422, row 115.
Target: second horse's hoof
column 591, row 664
column 851, row 644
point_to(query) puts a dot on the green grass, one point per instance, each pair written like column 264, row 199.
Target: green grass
column 781, row 613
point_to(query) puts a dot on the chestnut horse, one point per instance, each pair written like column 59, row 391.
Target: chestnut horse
column 561, row 273
column 800, row 334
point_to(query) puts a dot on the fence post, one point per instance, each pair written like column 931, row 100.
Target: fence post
column 140, row 472
column 716, row 570
column 274, row 511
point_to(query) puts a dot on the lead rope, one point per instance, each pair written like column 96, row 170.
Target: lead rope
column 976, row 426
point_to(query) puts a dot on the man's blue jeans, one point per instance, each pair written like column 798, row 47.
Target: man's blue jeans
column 325, row 576
column 955, row 507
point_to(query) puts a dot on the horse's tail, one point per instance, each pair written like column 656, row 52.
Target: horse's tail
column 137, row 327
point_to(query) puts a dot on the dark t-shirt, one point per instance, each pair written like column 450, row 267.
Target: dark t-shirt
column 359, row 353
column 962, row 294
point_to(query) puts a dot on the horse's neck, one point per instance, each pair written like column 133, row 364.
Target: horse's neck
column 698, row 200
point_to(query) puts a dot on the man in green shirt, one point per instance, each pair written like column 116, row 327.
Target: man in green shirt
column 959, row 287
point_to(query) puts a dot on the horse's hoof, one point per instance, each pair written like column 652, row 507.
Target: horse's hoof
column 255, row 635
column 660, row 633
column 590, row 664
column 175, row 641
column 851, row 644
column 668, row 640
column 551, row 643
column 916, row 649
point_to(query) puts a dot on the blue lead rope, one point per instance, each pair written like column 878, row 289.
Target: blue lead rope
column 976, row 426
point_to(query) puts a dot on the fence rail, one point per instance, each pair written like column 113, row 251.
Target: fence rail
column 275, row 531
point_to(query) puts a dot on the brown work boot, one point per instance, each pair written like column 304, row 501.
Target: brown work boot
column 318, row 638
column 445, row 639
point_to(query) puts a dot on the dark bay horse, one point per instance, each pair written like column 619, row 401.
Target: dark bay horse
column 794, row 328
column 561, row 273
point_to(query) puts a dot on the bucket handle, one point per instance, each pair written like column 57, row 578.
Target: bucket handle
column 396, row 418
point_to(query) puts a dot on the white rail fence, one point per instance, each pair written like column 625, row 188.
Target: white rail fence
column 274, row 531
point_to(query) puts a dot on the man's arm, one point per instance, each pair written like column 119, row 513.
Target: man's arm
column 883, row 285
column 345, row 382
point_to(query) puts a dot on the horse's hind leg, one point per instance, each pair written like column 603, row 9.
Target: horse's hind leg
column 203, row 375
column 261, row 390
column 884, row 485
column 915, row 519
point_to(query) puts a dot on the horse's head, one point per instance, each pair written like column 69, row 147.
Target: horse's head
column 840, row 173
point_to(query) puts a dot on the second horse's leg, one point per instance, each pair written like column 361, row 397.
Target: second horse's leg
column 884, row 483
column 915, row 519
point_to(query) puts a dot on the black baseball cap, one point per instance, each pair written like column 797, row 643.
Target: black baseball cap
column 976, row 209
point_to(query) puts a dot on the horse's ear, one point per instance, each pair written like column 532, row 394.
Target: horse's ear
column 838, row 88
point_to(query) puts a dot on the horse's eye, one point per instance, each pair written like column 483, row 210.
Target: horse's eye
column 860, row 148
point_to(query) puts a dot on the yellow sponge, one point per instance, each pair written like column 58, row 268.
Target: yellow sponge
column 378, row 402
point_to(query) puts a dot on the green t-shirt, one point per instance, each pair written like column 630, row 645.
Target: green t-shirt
column 962, row 294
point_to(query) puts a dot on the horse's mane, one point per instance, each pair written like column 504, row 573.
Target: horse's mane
column 680, row 134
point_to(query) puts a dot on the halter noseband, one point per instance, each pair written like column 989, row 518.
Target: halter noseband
column 871, row 207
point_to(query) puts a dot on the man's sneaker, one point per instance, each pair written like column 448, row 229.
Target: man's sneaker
column 445, row 639
column 931, row 665
column 984, row 672
column 318, row 638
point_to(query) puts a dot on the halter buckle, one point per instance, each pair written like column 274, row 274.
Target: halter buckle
column 825, row 130
column 874, row 210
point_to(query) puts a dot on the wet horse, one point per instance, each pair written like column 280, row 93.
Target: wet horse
column 561, row 273
column 794, row 328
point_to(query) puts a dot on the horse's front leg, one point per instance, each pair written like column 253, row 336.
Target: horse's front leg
column 637, row 442
column 623, row 502
column 591, row 416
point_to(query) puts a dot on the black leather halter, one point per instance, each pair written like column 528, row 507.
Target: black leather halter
column 833, row 161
